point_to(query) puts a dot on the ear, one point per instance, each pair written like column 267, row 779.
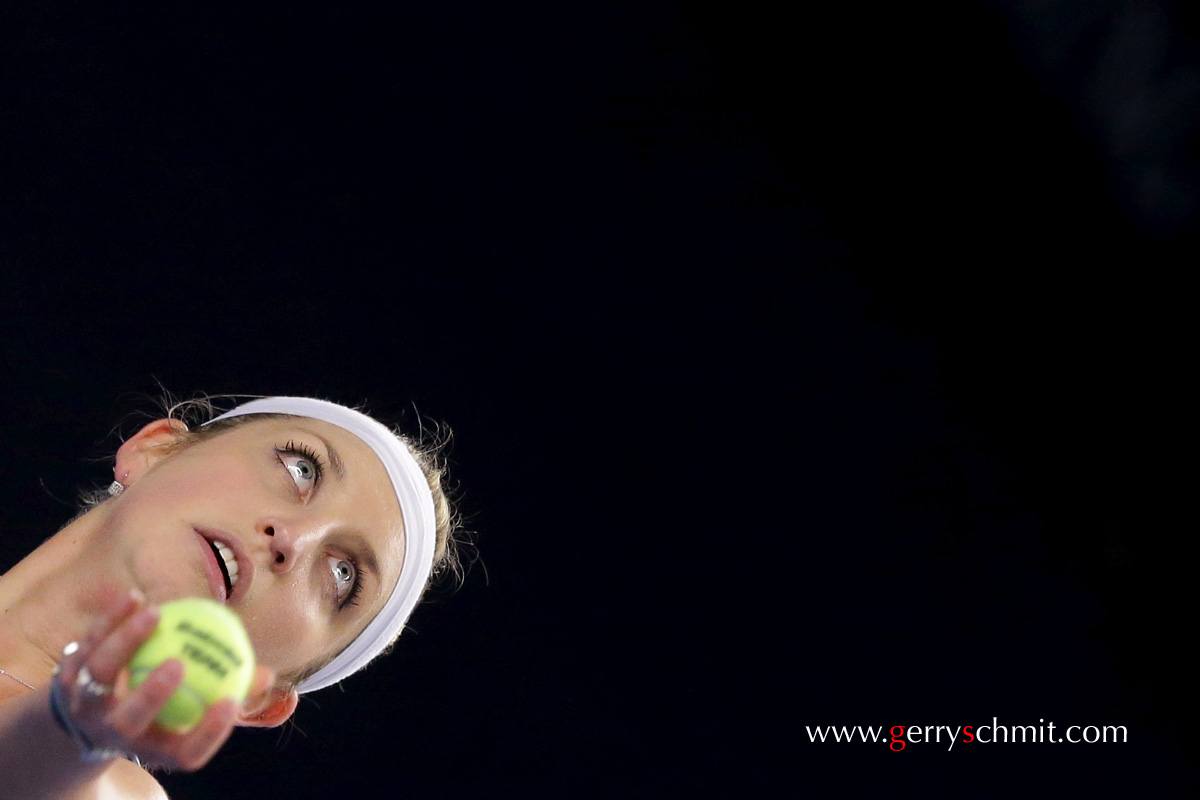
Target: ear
column 142, row 450
column 269, row 704
column 272, row 710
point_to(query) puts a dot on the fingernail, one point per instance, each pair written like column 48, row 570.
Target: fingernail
column 137, row 595
column 170, row 671
column 148, row 616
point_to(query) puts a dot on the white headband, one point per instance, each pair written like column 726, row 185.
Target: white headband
column 416, row 507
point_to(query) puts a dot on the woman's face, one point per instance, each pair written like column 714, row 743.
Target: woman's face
column 304, row 509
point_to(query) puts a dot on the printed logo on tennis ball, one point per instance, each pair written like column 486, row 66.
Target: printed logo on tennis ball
column 215, row 650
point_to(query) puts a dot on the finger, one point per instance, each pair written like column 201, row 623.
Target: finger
column 202, row 742
column 113, row 653
column 109, row 597
column 133, row 716
column 116, row 608
column 196, row 748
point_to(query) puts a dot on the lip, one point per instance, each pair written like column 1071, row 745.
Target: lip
column 216, row 578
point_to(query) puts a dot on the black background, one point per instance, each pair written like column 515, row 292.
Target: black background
column 805, row 367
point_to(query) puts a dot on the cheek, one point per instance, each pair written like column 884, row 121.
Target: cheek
column 201, row 469
column 156, row 548
column 164, row 577
column 284, row 633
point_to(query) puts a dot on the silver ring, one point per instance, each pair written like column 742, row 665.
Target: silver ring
column 70, row 649
column 90, row 686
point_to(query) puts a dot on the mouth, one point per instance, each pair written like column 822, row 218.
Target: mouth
column 227, row 562
column 227, row 571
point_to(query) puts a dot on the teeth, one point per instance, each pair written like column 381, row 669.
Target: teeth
column 230, row 560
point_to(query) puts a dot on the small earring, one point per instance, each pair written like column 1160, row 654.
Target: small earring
column 115, row 488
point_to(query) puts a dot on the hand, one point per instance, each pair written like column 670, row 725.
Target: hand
column 113, row 716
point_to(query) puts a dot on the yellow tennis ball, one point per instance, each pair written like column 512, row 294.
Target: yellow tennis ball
column 217, row 657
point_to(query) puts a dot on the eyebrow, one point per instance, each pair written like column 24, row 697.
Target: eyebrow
column 335, row 460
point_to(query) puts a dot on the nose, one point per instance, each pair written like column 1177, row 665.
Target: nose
column 286, row 543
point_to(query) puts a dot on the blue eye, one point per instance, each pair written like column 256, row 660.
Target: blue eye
column 302, row 471
column 345, row 578
column 302, row 464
